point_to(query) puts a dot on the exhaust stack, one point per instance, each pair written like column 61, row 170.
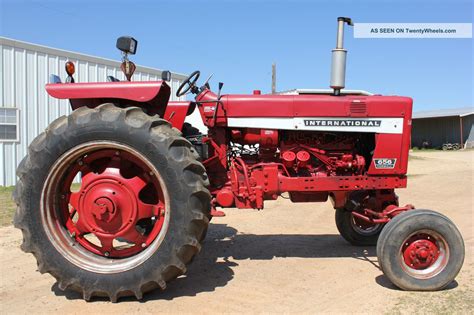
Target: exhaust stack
column 338, row 67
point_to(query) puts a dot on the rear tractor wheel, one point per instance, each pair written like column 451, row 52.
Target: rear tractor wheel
column 420, row 250
column 136, row 217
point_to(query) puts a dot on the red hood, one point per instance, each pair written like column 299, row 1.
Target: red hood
column 269, row 105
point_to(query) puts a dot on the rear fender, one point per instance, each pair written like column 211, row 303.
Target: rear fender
column 152, row 95
column 176, row 113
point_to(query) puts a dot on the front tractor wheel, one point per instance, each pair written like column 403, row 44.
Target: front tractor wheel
column 136, row 216
column 420, row 250
column 355, row 230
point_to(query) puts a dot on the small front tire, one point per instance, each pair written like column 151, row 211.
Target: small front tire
column 356, row 231
column 420, row 250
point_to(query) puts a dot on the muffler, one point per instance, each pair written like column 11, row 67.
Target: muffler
column 339, row 54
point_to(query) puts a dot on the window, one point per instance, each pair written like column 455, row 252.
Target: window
column 8, row 124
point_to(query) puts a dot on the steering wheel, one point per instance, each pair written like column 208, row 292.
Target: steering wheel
column 188, row 84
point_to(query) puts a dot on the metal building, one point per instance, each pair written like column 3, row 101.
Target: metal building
column 25, row 107
column 438, row 127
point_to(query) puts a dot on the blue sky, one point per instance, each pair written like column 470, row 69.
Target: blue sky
column 239, row 40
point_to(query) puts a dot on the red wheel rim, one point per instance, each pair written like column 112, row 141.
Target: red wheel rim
column 424, row 254
column 119, row 211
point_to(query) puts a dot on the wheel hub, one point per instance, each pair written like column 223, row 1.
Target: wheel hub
column 103, row 209
column 109, row 206
column 420, row 252
column 107, row 202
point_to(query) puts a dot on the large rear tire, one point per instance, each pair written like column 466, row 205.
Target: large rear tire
column 148, row 191
column 420, row 250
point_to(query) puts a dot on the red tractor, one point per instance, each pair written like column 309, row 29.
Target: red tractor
column 149, row 183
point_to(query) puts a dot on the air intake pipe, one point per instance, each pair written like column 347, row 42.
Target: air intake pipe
column 338, row 67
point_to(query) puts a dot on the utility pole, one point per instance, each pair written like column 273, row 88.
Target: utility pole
column 274, row 78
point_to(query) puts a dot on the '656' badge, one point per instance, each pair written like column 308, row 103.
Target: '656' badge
column 385, row 163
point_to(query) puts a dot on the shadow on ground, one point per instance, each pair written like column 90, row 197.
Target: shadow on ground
column 224, row 247
column 383, row 281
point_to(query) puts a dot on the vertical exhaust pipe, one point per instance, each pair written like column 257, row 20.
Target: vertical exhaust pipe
column 338, row 67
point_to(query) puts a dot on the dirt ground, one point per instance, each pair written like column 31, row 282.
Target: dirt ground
column 286, row 258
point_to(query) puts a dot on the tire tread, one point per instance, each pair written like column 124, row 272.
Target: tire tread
column 159, row 130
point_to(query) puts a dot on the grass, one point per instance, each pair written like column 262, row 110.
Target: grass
column 457, row 301
column 7, row 206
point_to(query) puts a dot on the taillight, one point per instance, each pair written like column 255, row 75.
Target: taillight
column 70, row 69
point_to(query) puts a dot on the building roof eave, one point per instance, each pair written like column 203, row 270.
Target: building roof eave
column 440, row 113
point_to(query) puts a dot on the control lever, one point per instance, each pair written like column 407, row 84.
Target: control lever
column 214, row 117
column 206, row 83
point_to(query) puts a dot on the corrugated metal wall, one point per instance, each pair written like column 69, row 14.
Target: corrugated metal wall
column 468, row 130
column 440, row 130
column 24, row 71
